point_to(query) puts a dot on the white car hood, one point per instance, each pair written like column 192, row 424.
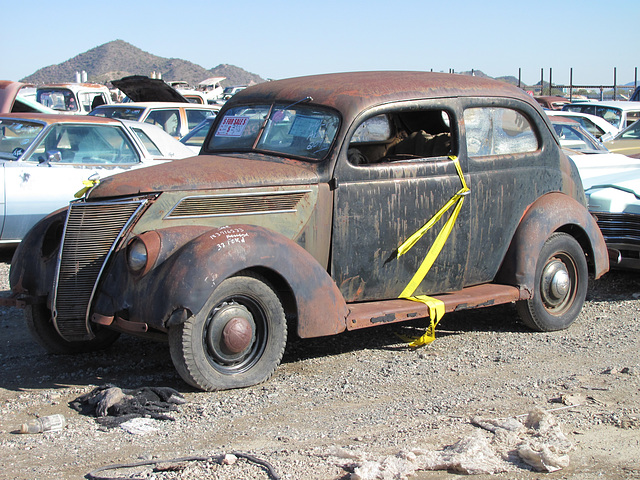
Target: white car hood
column 611, row 182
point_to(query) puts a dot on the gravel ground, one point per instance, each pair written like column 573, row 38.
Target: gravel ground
column 337, row 401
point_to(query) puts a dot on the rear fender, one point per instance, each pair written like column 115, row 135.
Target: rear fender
column 553, row 212
column 204, row 263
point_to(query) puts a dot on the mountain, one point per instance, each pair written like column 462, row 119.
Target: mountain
column 119, row 59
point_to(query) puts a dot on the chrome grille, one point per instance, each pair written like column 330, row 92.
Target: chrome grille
column 619, row 227
column 91, row 232
column 251, row 204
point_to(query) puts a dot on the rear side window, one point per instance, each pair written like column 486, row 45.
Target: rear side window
column 168, row 120
column 194, row 117
column 498, row 131
column 151, row 147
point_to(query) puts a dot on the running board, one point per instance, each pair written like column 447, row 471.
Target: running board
column 371, row 314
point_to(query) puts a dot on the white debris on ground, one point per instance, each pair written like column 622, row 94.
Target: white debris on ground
column 539, row 442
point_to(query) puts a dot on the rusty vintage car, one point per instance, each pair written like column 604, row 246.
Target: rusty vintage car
column 310, row 210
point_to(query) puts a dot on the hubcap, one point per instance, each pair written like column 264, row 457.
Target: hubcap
column 555, row 283
column 230, row 333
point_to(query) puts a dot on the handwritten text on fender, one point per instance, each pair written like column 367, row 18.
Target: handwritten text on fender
column 229, row 236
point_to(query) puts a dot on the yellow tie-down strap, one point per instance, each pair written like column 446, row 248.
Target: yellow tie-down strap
column 436, row 307
column 88, row 185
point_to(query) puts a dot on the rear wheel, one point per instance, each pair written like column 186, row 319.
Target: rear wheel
column 560, row 285
column 236, row 340
column 40, row 324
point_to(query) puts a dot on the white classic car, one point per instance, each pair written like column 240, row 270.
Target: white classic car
column 46, row 159
column 611, row 183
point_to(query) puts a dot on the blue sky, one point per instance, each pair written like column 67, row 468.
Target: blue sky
column 284, row 38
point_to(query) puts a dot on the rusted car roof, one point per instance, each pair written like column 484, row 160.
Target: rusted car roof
column 352, row 92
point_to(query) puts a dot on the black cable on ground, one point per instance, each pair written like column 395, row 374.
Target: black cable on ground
column 93, row 475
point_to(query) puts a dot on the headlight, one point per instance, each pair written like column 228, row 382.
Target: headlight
column 137, row 255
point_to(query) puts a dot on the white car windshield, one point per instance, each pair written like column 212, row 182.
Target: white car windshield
column 294, row 130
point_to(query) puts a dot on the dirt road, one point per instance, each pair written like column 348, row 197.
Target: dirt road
column 336, row 401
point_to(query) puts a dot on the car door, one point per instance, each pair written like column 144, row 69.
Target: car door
column 512, row 160
column 48, row 176
column 389, row 181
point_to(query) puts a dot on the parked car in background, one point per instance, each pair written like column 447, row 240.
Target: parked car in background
column 618, row 113
column 612, row 185
column 549, row 102
column 309, row 210
column 177, row 119
column 229, row 92
column 627, row 141
column 195, row 138
column 13, row 100
column 596, row 126
column 74, row 98
column 212, row 88
column 46, row 158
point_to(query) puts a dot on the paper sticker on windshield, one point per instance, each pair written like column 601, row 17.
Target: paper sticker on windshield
column 232, row 126
column 304, row 126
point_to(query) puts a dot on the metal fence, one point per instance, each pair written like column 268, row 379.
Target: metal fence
column 601, row 92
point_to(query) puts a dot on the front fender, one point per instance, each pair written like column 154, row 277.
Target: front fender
column 551, row 213
column 185, row 280
column 34, row 262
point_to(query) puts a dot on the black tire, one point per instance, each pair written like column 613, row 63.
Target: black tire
column 40, row 325
column 560, row 285
column 201, row 347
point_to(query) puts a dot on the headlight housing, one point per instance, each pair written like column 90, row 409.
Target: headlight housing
column 137, row 255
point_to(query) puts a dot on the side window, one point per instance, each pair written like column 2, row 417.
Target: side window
column 151, row 147
column 194, row 117
column 611, row 115
column 401, row 136
column 498, row 131
column 168, row 120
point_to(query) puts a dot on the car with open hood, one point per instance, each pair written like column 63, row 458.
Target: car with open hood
column 46, row 159
column 317, row 205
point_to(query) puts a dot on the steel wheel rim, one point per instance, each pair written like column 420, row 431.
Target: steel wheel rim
column 213, row 343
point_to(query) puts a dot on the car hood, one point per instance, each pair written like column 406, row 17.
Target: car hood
column 611, row 182
column 606, row 168
column 206, row 172
column 144, row 89
column 626, row 146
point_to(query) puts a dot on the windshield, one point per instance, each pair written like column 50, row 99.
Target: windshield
column 16, row 136
column 632, row 132
column 84, row 144
column 125, row 113
column 573, row 136
column 61, row 99
column 291, row 130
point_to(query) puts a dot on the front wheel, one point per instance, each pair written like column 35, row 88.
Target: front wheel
column 236, row 340
column 40, row 325
column 561, row 280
